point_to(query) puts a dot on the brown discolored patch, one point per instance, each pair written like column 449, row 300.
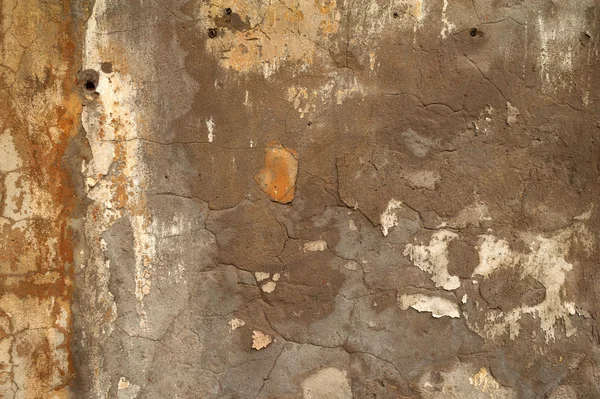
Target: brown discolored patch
column 506, row 289
column 278, row 177
column 463, row 257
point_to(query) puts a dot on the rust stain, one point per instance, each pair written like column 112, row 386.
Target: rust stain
column 37, row 251
column 278, row 177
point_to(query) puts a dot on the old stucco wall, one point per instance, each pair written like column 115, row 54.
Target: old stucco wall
column 299, row 199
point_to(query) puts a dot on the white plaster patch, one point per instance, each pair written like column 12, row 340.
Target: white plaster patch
column 24, row 199
column 327, row 383
column 447, row 26
column 337, row 89
column 9, row 157
column 388, row 218
column 210, row 125
column 276, row 277
column 352, row 265
column 423, row 179
column 511, row 114
column 260, row 276
column 546, row 262
column 235, row 323
column 558, row 37
column 315, row 246
column 127, row 390
column 352, row 225
column 260, row 340
column 123, row 383
column 418, row 144
column 438, row 307
column 484, row 382
column 433, row 259
column 268, row 287
column 462, row 381
column 585, row 215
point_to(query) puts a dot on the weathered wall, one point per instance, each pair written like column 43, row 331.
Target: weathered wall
column 299, row 199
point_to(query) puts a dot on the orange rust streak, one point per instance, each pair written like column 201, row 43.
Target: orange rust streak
column 47, row 250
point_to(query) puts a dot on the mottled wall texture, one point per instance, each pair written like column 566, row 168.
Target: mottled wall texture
column 317, row 199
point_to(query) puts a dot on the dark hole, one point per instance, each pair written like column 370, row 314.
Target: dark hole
column 585, row 38
column 89, row 85
column 309, row 123
column 396, row 15
column 228, row 11
column 473, row 32
column 166, row 177
column 212, row 33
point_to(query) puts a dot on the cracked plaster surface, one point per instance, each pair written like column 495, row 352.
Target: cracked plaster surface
column 299, row 199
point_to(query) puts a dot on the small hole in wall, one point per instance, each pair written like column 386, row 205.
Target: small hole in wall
column 212, row 33
column 474, row 31
column 228, row 11
column 309, row 123
column 585, row 38
column 396, row 15
column 87, row 80
column 166, row 177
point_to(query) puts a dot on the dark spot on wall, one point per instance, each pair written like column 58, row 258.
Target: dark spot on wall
column 463, row 257
column 106, row 67
column 212, row 33
column 506, row 289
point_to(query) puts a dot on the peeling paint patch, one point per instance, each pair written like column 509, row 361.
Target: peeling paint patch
column 337, row 89
column 511, row 114
column 210, row 126
column 267, row 35
column 260, row 340
column 10, row 159
column 127, row 390
column 546, row 262
column 26, row 199
column 462, row 380
column 278, row 177
column 433, row 259
column 438, row 307
column 268, row 287
column 388, row 218
column 448, row 27
column 315, row 246
column 484, row 381
column 260, row 276
column 234, row 324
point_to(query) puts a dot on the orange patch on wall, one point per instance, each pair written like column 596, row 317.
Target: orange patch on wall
column 278, row 177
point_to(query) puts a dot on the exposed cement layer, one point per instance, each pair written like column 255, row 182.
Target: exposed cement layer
column 300, row 199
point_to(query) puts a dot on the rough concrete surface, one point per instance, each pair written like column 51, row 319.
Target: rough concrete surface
column 299, row 199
